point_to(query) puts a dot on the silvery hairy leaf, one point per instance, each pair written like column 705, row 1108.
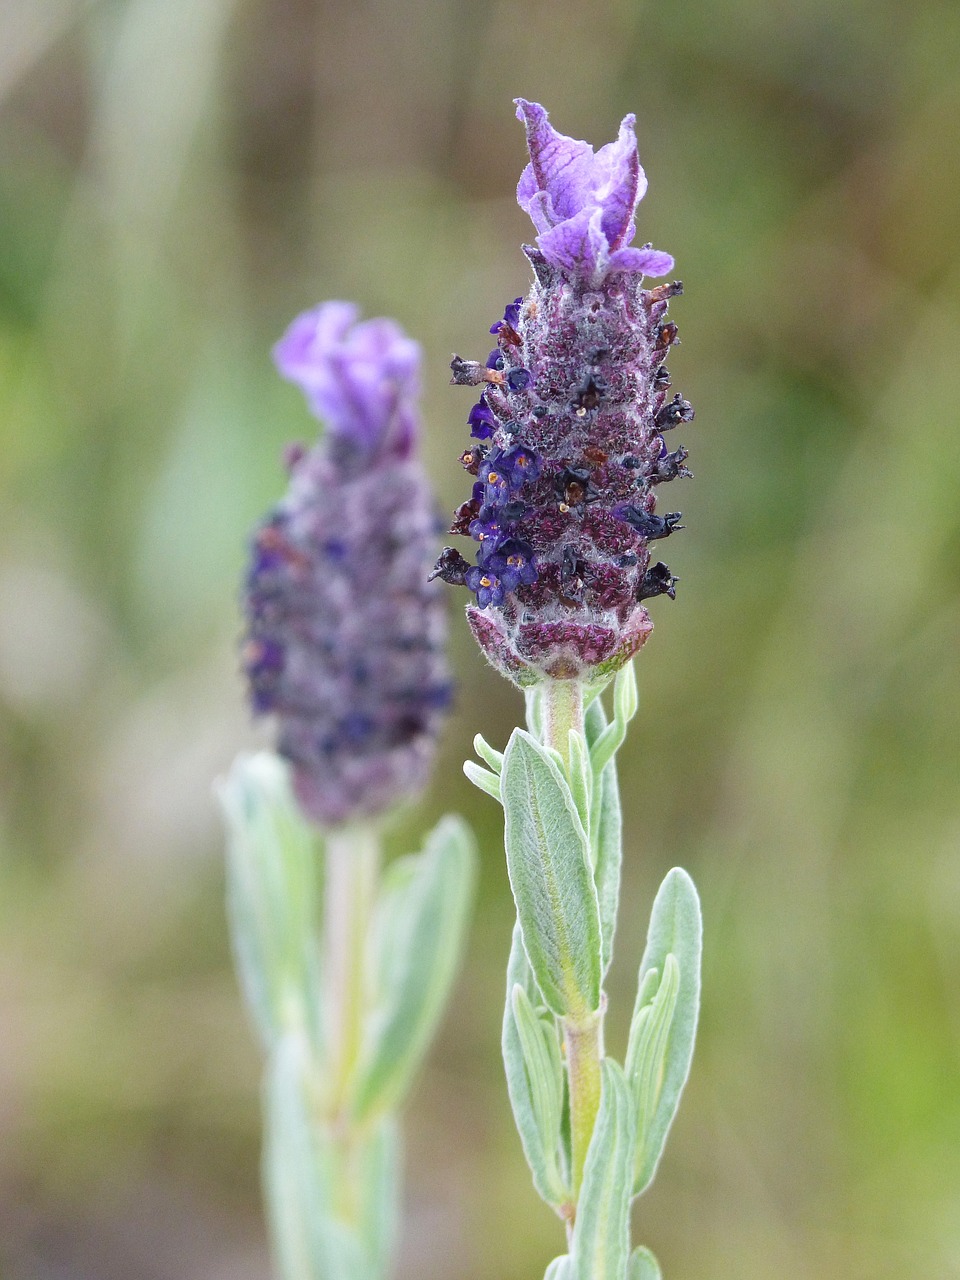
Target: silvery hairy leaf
column 601, row 1236
column 643, row 1265
column 625, row 703
column 664, row 1025
column 606, row 834
column 419, row 931
column 560, row 1269
column 549, row 866
column 534, row 1115
column 483, row 779
column 580, row 779
column 272, row 897
column 490, row 755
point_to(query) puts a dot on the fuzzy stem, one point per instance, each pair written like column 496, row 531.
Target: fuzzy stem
column 583, row 1042
column 352, row 865
column 563, row 711
column 582, row 1037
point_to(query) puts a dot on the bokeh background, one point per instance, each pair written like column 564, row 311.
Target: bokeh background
column 177, row 179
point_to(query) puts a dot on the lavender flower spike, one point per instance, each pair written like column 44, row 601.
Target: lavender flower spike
column 345, row 637
column 572, row 419
column 582, row 202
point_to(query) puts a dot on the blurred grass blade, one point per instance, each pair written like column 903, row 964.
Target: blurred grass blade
column 419, row 933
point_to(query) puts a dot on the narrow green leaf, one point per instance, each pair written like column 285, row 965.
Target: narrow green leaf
column 646, row 1056
column 419, row 932
column 625, row 696
column 272, row 897
column 540, row 1043
column 490, row 754
column 378, row 1174
column 624, row 709
column 643, row 1265
column 549, row 867
column 537, row 1125
column 580, row 778
column 676, row 932
column 606, row 835
column 560, row 1269
column 601, row 1236
column 482, row 778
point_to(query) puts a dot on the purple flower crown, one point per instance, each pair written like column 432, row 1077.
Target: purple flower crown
column 570, row 426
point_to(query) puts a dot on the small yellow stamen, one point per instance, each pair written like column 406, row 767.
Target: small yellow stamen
column 486, row 582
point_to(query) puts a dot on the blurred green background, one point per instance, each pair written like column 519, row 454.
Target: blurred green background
column 177, row 179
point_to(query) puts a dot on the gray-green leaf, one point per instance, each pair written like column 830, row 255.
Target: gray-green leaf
column 299, row 1177
column 549, row 867
column 643, row 1265
column 419, row 933
column 272, row 896
column 674, row 944
column 560, row 1269
column 601, row 1236
column 606, row 835
column 537, row 1123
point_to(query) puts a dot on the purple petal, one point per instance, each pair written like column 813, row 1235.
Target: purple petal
column 576, row 197
column 559, row 166
column 649, row 262
column 578, row 245
column 624, row 186
column 358, row 378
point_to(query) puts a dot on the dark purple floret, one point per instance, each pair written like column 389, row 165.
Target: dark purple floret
column 576, row 404
column 481, row 421
column 486, row 582
column 345, row 635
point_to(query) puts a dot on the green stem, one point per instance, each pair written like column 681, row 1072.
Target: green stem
column 352, row 867
column 563, row 711
column 583, row 1042
column 582, row 1037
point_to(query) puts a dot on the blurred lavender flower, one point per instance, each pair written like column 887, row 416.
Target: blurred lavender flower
column 345, row 639
column 571, row 425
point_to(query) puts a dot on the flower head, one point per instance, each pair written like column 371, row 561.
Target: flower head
column 582, row 202
column 345, row 636
column 571, row 425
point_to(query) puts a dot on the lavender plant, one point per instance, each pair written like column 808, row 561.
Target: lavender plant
column 345, row 649
column 568, row 457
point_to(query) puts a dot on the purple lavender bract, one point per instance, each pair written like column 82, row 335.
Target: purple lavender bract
column 573, row 412
column 345, row 641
